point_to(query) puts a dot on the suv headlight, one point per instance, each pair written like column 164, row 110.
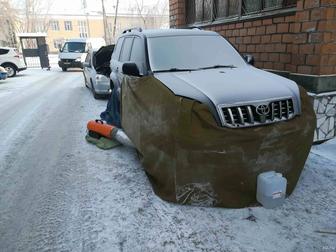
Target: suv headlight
column 78, row 59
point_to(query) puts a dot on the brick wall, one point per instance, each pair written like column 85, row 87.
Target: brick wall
column 177, row 13
column 314, row 38
column 269, row 40
column 302, row 41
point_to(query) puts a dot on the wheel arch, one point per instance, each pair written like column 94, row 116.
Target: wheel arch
column 10, row 63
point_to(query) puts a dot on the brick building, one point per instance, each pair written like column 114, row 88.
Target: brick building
column 296, row 39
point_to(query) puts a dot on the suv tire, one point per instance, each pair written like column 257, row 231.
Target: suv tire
column 64, row 69
column 10, row 68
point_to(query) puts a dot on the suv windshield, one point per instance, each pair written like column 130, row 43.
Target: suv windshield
column 78, row 47
column 191, row 53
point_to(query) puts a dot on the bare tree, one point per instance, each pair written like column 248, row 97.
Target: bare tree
column 36, row 15
column 8, row 20
column 153, row 15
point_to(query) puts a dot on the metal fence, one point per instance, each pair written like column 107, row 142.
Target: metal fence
column 33, row 62
column 210, row 10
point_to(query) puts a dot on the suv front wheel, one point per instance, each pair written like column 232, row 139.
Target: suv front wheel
column 11, row 69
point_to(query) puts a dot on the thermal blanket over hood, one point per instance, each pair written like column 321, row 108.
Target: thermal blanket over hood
column 190, row 159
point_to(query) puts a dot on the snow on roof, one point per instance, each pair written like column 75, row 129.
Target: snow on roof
column 174, row 32
column 31, row 34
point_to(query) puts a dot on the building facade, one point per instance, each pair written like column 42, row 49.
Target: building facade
column 296, row 39
column 62, row 27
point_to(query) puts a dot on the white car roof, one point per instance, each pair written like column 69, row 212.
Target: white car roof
column 84, row 39
column 77, row 40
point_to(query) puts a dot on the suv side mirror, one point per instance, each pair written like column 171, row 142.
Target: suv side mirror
column 249, row 59
column 131, row 69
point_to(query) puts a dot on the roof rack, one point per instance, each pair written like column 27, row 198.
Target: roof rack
column 139, row 29
column 193, row 28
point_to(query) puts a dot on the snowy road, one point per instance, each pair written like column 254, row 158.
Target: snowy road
column 58, row 193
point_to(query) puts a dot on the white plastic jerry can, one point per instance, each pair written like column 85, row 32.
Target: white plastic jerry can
column 271, row 189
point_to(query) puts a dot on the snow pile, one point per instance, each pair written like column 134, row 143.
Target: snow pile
column 58, row 193
column 132, row 218
column 326, row 150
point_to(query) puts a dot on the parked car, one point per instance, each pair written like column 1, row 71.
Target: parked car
column 74, row 51
column 204, row 121
column 3, row 73
column 11, row 61
column 96, row 71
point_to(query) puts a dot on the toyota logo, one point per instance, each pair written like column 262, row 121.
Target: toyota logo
column 262, row 109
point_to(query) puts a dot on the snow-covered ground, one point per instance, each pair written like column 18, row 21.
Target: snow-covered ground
column 58, row 193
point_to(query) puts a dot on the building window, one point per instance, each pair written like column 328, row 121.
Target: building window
column 83, row 30
column 211, row 10
column 39, row 26
column 68, row 25
column 54, row 25
column 252, row 6
column 58, row 43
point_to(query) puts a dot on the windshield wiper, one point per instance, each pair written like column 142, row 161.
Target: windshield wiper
column 187, row 69
column 217, row 66
column 175, row 70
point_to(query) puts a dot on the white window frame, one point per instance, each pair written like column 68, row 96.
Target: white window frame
column 83, row 29
column 54, row 25
column 68, row 25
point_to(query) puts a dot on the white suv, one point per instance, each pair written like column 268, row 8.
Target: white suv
column 11, row 61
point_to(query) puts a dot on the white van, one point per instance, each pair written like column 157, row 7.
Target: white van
column 74, row 51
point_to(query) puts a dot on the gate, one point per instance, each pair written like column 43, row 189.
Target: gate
column 34, row 49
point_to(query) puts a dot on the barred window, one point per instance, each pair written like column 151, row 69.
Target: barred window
column 253, row 6
column 210, row 10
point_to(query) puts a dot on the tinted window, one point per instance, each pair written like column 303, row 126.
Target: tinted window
column 137, row 54
column 78, row 47
column 126, row 49
column 137, row 50
column 191, row 52
column 117, row 49
column 3, row 51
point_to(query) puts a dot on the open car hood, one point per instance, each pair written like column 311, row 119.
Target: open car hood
column 102, row 57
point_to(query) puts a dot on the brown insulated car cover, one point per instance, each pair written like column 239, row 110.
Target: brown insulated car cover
column 191, row 160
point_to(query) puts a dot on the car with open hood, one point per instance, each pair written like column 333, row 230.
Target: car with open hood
column 74, row 51
column 96, row 71
column 205, row 122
